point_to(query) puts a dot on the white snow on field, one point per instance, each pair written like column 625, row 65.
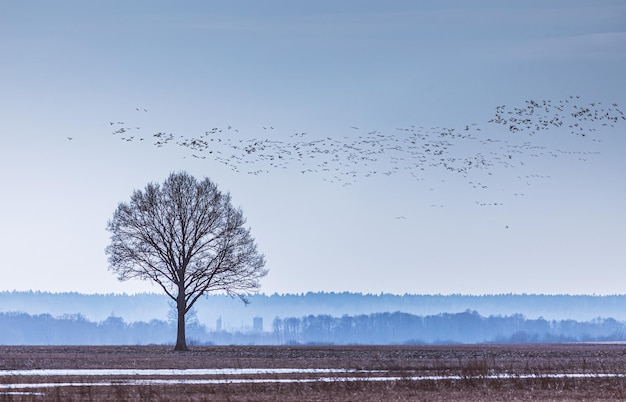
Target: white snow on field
column 166, row 372
column 186, row 381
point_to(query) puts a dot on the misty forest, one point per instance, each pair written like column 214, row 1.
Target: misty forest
column 39, row 318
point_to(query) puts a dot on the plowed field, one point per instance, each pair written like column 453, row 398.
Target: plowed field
column 560, row 372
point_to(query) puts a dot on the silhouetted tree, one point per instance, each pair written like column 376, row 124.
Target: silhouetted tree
column 187, row 237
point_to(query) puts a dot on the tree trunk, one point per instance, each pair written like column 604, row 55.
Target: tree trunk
column 181, row 341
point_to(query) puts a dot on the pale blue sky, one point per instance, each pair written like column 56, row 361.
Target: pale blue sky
column 70, row 67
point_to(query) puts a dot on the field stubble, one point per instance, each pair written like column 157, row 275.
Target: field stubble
column 559, row 372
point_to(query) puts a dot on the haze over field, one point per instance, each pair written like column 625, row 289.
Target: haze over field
column 370, row 144
column 312, row 318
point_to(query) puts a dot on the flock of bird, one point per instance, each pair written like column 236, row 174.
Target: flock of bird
column 415, row 150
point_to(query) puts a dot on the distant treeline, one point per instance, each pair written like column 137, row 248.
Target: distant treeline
column 235, row 316
column 378, row 328
column 466, row 327
column 44, row 329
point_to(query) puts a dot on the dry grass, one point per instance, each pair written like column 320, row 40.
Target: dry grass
column 473, row 366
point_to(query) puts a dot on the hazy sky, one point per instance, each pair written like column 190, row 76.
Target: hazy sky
column 336, row 70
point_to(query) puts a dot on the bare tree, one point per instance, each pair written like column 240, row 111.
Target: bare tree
column 187, row 237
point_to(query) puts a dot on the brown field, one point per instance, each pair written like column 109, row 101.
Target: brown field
column 560, row 372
